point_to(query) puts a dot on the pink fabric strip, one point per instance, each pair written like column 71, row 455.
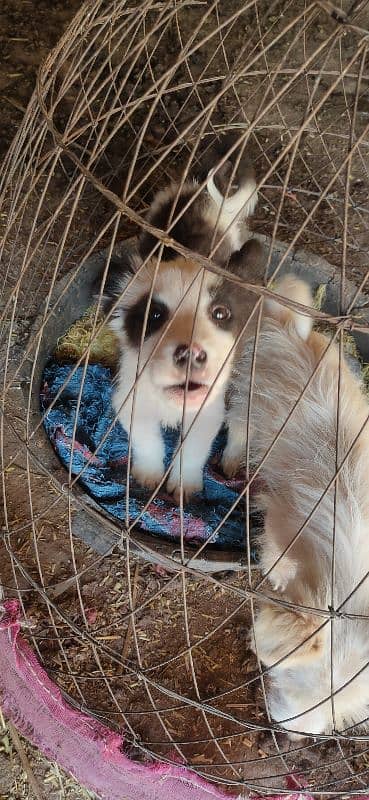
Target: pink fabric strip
column 82, row 746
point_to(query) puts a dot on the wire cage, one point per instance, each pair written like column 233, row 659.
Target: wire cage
column 151, row 635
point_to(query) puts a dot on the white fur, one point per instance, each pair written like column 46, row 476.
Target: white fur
column 299, row 292
column 297, row 470
column 233, row 210
column 196, row 448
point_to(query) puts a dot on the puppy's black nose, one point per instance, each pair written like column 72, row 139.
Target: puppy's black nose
column 182, row 353
column 198, row 356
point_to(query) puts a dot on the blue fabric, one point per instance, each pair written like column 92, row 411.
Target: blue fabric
column 105, row 476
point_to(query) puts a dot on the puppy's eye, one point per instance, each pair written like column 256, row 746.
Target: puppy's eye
column 220, row 313
column 136, row 315
column 156, row 313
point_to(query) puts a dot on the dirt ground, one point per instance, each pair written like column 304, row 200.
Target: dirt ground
column 28, row 30
column 190, row 634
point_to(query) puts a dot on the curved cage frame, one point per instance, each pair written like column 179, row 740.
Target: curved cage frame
column 126, row 103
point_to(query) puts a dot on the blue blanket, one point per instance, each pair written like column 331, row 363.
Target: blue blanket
column 104, row 465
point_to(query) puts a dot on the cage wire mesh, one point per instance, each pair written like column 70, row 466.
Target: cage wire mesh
column 127, row 103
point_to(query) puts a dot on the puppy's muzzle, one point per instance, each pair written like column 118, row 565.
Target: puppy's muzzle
column 184, row 354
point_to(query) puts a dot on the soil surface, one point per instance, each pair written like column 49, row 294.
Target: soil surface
column 28, row 31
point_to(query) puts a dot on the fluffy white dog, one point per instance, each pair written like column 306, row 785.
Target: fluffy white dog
column 319, row 675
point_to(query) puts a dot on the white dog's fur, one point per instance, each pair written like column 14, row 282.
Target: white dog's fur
column 184, row 296
column 313, row 657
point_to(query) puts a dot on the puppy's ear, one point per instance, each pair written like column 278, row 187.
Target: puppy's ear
column 299, row 291
column 248, row 263
column 191, row 229
column 238, row 162
column 288, row 635
column 120, row 271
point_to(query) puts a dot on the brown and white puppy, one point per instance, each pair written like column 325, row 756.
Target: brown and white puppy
column 176, row 324
column 310, row 658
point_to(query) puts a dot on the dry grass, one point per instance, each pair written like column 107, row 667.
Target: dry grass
column 102, row 347
column 25, row 774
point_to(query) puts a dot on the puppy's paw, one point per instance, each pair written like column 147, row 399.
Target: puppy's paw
column 281, row 574
column 230, row 463
column 189, row 489
column 295, row 737
column 148, row 480
column 278, row 582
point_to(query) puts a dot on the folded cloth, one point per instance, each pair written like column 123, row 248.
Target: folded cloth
column 100, row 457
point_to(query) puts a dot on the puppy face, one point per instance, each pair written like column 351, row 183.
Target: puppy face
column 300, row 686
column 183, row 337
